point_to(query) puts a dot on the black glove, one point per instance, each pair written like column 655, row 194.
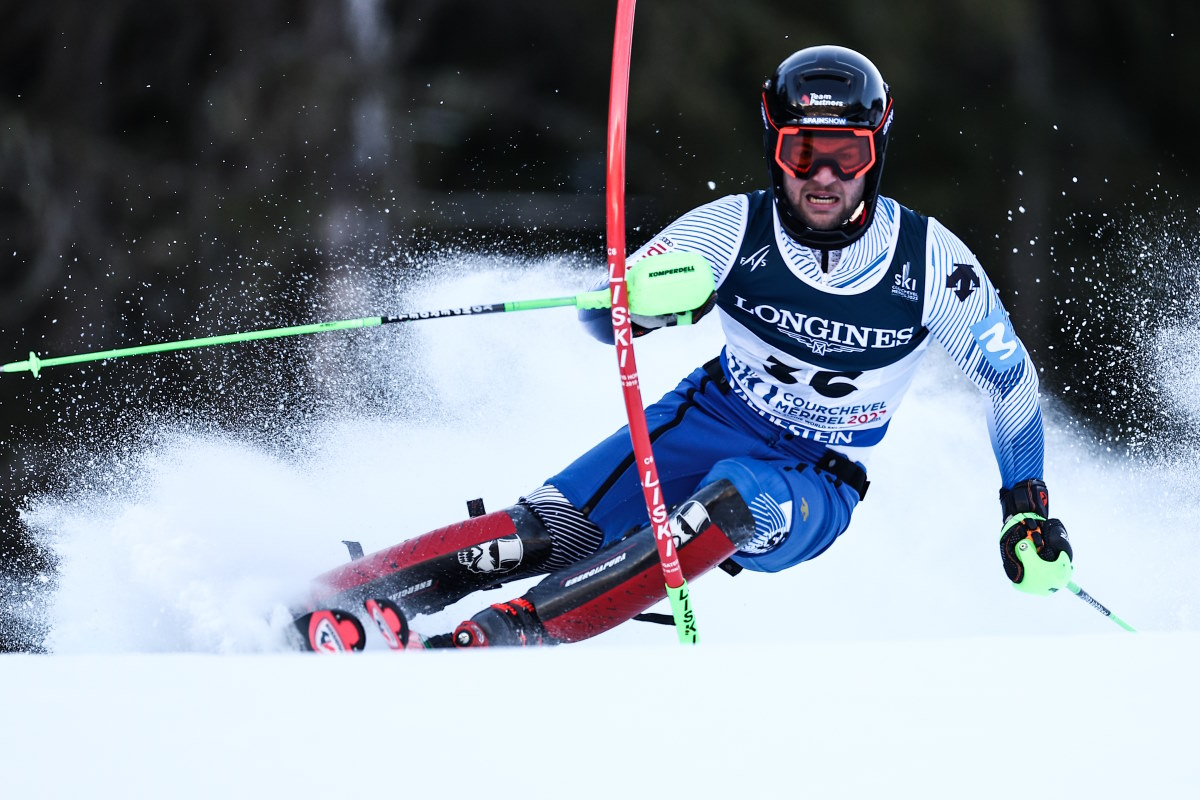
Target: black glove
column 1035, row 552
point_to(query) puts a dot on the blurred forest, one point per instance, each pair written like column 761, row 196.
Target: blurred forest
column 154, row 154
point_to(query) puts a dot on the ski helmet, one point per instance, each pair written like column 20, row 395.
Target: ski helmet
column 826, row 105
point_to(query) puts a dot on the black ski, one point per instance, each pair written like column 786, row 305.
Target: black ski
column 335, row 630
column 331, row 630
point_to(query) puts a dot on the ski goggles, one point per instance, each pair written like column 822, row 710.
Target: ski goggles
column 801, row 151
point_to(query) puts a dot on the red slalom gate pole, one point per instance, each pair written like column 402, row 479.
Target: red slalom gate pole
column 618, row 102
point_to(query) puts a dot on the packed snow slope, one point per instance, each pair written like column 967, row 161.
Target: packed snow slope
column 900, row 663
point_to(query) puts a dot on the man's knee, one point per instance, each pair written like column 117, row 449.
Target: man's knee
column 798, row 511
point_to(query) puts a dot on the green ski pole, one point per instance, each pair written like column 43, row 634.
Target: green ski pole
column 34, row 364
column 1091, row 601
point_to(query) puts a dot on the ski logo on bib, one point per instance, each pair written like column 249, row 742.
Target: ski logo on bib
column 904, row 285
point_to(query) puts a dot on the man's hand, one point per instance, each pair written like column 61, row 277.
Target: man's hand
column 1036, row 554
column 674, row 288
column 641, row 323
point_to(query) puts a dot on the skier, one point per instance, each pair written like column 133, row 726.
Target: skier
column 829, row 295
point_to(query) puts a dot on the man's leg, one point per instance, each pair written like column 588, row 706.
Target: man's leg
column 615, row 583
column 431, row 571
column 543, row 532
column 550, row 528
column 766, row 514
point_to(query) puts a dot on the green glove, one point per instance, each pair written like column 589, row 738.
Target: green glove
column 675, row 288
column 674, row 284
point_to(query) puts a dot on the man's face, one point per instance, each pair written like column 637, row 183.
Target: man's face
column 823, row 200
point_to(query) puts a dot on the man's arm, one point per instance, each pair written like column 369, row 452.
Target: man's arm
column 965, row 314
column 713, row 231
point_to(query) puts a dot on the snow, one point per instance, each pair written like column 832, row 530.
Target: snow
column 898, row 664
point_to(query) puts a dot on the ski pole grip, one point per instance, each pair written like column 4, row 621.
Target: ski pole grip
column 670, row 283
column 601, row 298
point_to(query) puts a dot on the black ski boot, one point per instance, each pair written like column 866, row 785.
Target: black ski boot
column 511, row 624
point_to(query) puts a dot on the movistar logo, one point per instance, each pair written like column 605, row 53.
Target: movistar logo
column 994, row 341
column 998, row 341
column 824, row 335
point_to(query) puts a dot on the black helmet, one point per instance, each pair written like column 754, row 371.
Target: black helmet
column 826, row 92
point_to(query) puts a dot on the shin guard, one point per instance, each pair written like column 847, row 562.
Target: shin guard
column 618, row 581
column 429, row 572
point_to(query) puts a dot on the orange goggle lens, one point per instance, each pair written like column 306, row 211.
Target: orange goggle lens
column 850, row 152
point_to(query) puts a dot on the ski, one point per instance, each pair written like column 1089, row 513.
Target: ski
column 392, row 625
column 335, row 630
column 331, row 630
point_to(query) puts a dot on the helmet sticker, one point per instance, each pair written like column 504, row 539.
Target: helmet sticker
column 820, row 100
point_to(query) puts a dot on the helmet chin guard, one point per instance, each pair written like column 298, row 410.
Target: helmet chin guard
column 821, row 92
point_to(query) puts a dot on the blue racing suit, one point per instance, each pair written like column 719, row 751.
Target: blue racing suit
column 820, row 349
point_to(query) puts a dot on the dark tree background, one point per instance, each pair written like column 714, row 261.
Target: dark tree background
column 154, row 154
